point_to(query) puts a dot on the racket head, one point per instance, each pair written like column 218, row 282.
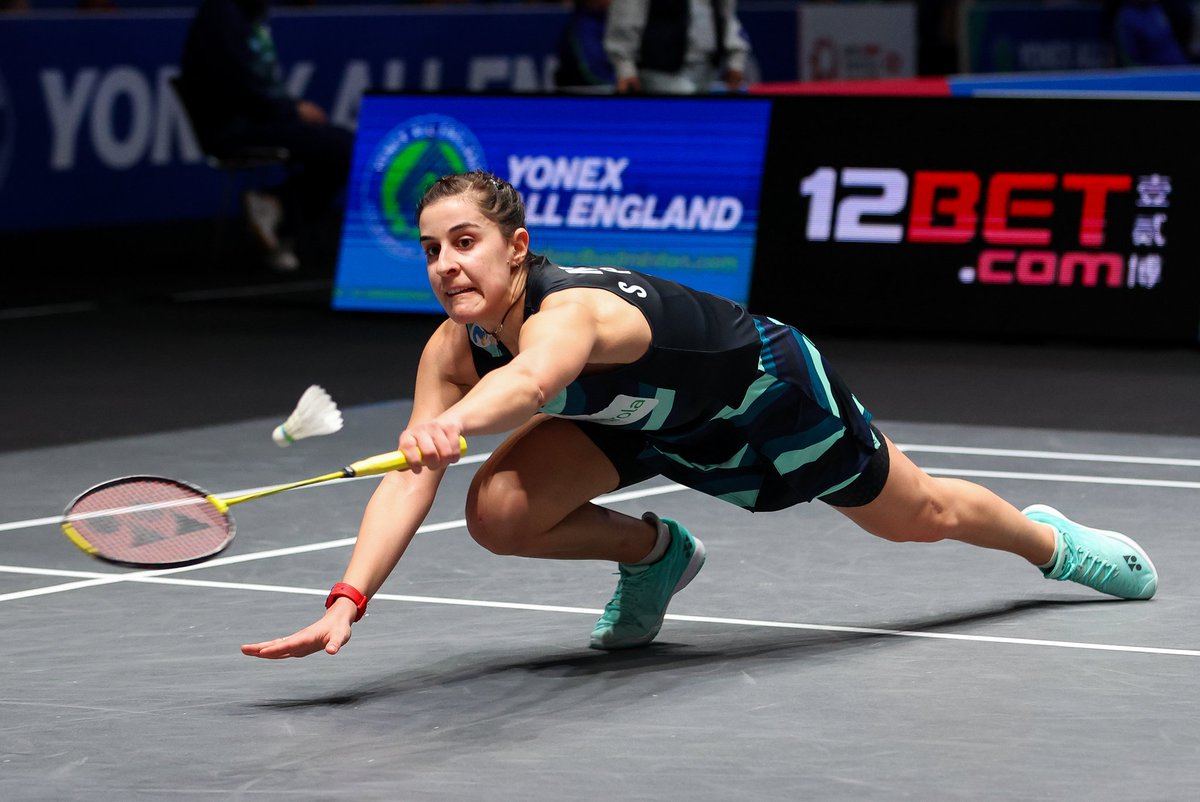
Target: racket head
column 148, row 522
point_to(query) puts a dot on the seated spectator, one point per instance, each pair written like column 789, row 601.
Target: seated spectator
column 237, row 98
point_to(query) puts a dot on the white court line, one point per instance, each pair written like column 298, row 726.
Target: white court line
column 906, row 447
column 701, row 619
column 31, row 523
column 167, row 577
column 250, row 292
column 47, row 309
column 1063, row 477
column 1059, row 455
column 94, row 579
column 55, row 520
column 97, row 579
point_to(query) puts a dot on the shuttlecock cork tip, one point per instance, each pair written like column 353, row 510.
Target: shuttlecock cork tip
column 281, row 437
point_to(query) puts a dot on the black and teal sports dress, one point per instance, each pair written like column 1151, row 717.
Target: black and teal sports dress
column 736, row 406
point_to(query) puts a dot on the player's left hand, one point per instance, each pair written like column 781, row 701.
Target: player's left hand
column 330, row 633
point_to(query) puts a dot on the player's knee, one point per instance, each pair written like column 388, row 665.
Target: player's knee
column 932, row 521
column 496, row 539
column 497, row 516
column 938, row 521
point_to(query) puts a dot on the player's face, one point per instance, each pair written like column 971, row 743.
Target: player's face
column 471, row 264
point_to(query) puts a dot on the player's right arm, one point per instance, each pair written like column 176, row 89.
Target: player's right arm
column 403, row 498
column 396, row 509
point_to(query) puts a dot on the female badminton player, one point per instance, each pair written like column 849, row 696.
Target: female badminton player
column 606, row 377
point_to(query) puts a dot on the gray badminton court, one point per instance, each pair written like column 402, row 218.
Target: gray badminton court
column 808, row 661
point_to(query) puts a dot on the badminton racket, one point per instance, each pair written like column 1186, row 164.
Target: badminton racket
column 155, row 521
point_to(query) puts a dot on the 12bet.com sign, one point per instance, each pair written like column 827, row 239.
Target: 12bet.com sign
column 977, row 215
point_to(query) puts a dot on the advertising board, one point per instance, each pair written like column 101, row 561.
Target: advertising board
column 984, row 215
column 667, row 185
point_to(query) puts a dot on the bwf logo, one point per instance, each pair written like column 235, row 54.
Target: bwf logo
column 8, row 129
column 407, row 162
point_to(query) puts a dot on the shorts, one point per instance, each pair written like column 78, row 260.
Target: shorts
column 803, row 435
column 867, row 486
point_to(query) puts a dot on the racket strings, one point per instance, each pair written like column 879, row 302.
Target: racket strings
column 149, row 521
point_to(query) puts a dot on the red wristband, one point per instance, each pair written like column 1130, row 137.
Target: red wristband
column 342, row 590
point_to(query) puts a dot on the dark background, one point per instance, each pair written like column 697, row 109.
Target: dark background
column 158, row 363
column 132, row 330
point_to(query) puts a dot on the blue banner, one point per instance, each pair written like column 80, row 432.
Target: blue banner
column 666, row 185
column 91, row 134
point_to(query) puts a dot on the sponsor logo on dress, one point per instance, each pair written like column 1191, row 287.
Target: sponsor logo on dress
column 623, row 410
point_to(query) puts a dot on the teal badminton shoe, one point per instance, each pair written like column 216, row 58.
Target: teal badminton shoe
column 1105, row 561
column 635, row 614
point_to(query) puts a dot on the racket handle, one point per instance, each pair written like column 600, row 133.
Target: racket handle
column 391, row 461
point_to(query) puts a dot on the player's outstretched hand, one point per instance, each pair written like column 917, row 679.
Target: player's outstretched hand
column 329, row 634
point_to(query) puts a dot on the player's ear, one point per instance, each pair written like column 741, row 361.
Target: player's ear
column 518, row 245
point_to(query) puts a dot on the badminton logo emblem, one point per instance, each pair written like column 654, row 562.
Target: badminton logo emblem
column 407, row 162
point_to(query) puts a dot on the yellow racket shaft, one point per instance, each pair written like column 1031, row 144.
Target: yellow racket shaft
column 368, row 466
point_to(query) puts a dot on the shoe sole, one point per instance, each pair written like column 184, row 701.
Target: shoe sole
column 1046, row 509
column 267, row 239
column 264, row 242
column 695, row 563
column 699, row 554
column 284, row 265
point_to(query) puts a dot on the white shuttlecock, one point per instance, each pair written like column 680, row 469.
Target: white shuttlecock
column 316, row 413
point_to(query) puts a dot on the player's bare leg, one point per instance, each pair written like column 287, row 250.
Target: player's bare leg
column 917, row 507
column 533, row 499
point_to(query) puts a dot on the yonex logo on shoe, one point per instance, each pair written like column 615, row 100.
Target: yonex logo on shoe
column 1131, row 561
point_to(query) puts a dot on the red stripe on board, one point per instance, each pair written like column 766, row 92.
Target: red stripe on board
column 923, row 87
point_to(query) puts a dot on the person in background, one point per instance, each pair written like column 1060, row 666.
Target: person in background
column 583, row 65
column 237, row 98
column 1182, row 14
column 676, row 46
column 1146, row 35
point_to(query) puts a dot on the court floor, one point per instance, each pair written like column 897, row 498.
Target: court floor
column 808, row 660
